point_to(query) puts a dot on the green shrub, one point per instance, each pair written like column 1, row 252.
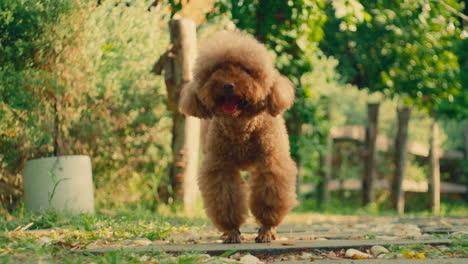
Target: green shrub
column 31, row 44
column 87, row 67
column 126, row 127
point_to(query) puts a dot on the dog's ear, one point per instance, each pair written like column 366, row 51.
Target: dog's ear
column 189, row 103
column 281, row 97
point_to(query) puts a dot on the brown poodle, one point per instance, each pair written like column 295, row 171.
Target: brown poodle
column 242, row 96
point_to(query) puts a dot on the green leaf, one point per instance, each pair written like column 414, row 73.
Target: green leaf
column 229, row 253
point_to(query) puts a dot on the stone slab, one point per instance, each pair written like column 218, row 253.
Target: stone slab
column 274, row 248
column 384, row 261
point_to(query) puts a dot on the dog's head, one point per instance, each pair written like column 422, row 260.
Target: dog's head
column 234, row 76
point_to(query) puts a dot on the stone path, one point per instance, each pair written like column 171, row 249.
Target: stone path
column 274, row 248
column 323, row 239
column 384, row 261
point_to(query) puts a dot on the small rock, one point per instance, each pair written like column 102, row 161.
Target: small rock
column 377, row 250
column 407, row 230
column 249, row 259
column 356, row 254
column 145, row 258
column 235, row 256
column 321, row 238
column 45, row 240
column 442, row 248
column 142, row 242
column 305, row 256
column 228, row 260
column 332, row 255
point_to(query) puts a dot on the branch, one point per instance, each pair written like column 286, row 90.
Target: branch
column 461, row 15
column 7, row 189
column 153, row 4
column 159, row 65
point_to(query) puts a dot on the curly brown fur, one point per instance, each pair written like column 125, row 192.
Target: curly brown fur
column 242, row 96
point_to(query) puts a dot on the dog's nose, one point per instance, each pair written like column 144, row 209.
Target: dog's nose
column 228, row 88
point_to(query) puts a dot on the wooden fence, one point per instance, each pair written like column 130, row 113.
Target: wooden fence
column 373, row 142
column 384, row 144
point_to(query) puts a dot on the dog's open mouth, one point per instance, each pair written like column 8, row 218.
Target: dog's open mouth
column 231, row 104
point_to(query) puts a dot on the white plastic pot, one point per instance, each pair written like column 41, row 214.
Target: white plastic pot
column 63, row 183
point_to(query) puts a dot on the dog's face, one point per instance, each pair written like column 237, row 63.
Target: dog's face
column 235, row 79
column 232, row 90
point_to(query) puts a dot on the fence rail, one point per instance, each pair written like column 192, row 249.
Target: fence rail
column 408, row 186
column 358, row 133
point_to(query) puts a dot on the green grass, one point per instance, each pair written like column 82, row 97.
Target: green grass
column 125, row 223
column 51, row 237
column 457, row 249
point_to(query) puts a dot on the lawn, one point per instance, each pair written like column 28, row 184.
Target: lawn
column 51, row 237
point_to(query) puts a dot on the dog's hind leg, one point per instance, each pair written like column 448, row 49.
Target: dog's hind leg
column 224, row 196
column 272, row 195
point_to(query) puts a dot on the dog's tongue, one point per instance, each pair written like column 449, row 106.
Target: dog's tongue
column 230, row 104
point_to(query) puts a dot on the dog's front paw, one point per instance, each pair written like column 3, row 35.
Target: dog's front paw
column 231, row 237
column 266, row 235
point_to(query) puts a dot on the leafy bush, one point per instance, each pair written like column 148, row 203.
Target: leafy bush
column 76, row 80
column 126, row 127
column 31, row 44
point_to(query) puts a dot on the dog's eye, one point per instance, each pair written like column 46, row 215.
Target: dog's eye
column 248, row 71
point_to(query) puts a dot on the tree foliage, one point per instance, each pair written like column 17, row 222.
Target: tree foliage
column 400, row 48
column 456, row 106
column 404, row 48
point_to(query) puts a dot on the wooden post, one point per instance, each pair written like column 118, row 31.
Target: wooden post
column 326, row 164
column 192, row 148
column 465, row 137
column 435, row 169
column 368, row 193
column 401, row 142
column 339, row 171
column 177, row 64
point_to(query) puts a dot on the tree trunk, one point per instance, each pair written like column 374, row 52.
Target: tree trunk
column 435, row 169
column 368, row 193
column 398, row 196
column 56, row 133
column 186, row 130
column 192, row 148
